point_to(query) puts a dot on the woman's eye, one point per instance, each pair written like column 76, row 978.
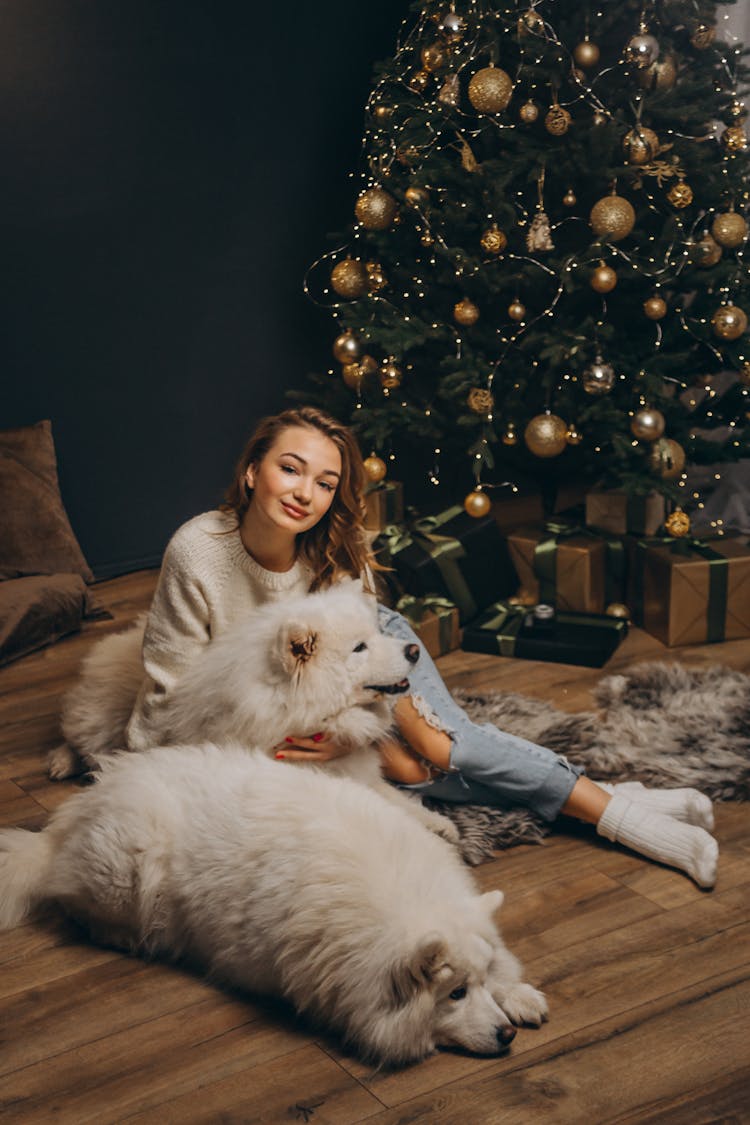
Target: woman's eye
column 458, row 993
column 360, row 647
column 325, row 485
column 288, row 469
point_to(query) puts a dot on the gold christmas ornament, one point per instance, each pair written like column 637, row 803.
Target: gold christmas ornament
column 661, row 75
column 530, row 23
column 368, row 365
column 516, row 310
column 707, row 252
column 603, row 279
column 733, row 138
column 680, row 195
column 529, row 112
column 647, row 424
column 452, row 26
column 666, row 459
column 703, row 36
column 465, row 312
column 729, row 322
column 347, row 348
column 618, row 609
column 376, row 279
column 352, row 375
column 612, row 217
column 382, row 112
column 738, row 111
column 641, row 145
column 677, row 523
column 545, row 435
column 655, row 307
column 569, row 199
column 573, row 435
column 481, row 400
column 375, row 209
column 557, row 120
column 493, row 241
column 509, row 435
column 419, row 81
column 477, row 504
column 417, row 196
column 642, row 49
column 450, row 92
column 598, row 378
column 600, row 117
column 390, row 374
column 490, row 90
column 729, row 229
column 539, row 234
column 586, row 53
column 349, row 278
column 407, row 154
column 375, row 468
column 433, row 56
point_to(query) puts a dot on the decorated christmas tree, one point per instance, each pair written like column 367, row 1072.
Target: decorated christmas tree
column 545, row 276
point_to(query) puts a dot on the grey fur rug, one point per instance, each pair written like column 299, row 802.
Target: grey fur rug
column 661, row 724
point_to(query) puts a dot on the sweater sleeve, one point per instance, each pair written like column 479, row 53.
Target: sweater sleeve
column 177, row 628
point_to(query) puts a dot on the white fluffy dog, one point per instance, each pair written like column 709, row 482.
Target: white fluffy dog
column 281, row 881
column 311, row 663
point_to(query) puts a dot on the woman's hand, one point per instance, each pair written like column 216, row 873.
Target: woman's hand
column 317, row 748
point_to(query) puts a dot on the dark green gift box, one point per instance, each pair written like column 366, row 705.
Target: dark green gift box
column 572, row 638
column 452, row 555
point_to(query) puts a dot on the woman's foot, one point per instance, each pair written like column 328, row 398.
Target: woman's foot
column 660, row 837
column 683, row 804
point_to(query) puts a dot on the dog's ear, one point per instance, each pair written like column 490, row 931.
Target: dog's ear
column 426, row 964
column 299, row 644
column 492, row 901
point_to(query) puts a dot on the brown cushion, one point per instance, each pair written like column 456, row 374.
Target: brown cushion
column 35, row 533
column 36, row 611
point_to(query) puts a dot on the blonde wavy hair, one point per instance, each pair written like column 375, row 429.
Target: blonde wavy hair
column 336, row 546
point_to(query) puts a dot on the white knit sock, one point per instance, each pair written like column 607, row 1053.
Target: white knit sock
column 683, row 804
column 661, row 837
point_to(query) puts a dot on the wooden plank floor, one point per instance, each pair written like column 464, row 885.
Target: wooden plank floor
column 647, row 976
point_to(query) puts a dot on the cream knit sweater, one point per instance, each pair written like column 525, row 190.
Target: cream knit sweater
column 207, row 582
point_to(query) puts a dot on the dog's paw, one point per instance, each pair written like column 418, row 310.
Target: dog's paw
column 524, row 1004
column 62, row 762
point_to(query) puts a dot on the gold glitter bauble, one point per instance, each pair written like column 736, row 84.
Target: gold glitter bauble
column 490, row 90
column 612, row 217
column 573, row 436
column 509, row 435
column 419, row 81
column 586, row 53
column 349, row 278
column 390, row 374
column 477, row 504
column 703, row 36
column 529, row 112
column 480, row 400
column 569, row 199
column 347, row 348
column 655, row 307
column 680, row 195
column 729, row 229
column 642, row 50
column 375, row 209
column 375, row 468
column 661, row 75
column 706, row 253
column 733, row 138
column 376, row 279
column 516, row 310
column 557, row 120
column 603, row 279
column 417, row 196
column 618, row 609
column 666, row 459
column 493, row 241
column 433, row 56
column 545, row 435
column 641, row 145
column 677, row 523
column 729, row 322
column 647, row 424
column 465, row 312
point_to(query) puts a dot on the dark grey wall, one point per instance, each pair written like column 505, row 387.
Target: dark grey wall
column 169, row 170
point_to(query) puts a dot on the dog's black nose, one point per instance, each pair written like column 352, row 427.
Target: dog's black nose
column 505, row 1035
column 411, row 652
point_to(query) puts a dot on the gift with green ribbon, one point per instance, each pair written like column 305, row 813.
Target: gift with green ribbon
column 570, row 638
column 384, row 504
column 691, row 591
column 623, row 513
column 434, row 620
column 567, row 565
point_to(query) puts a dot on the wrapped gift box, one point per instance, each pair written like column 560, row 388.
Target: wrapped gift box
column 434, row 620
column 620, row 513
column 385, row 504
column 687, row 593
column 452, row 555
column 526, row 505
column 571, row 568
column 571, row 638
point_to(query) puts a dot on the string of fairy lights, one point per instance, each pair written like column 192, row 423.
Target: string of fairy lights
column 444, row 92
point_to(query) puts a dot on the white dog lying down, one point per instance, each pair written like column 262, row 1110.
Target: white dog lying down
column 288, row 882
column 311, row 663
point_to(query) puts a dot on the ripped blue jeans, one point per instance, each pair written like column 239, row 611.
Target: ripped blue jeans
column 488, row 766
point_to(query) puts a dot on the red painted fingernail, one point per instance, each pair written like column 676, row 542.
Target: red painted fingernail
column 288, row 739
column 318, row 737
column 280, row 757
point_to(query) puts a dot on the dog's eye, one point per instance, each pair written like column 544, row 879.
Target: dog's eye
column 458, row 993
column 360, row 647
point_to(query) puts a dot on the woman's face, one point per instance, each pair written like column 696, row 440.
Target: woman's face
column 295, row 483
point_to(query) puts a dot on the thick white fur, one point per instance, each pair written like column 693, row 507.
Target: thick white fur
column 292, row 668
column 280, row 881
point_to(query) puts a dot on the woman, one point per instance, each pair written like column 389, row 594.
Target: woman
column 292, row 522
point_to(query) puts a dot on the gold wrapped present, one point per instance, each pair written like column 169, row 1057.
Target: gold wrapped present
column 385, row 504
column 621, row 514
column 434, row 620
